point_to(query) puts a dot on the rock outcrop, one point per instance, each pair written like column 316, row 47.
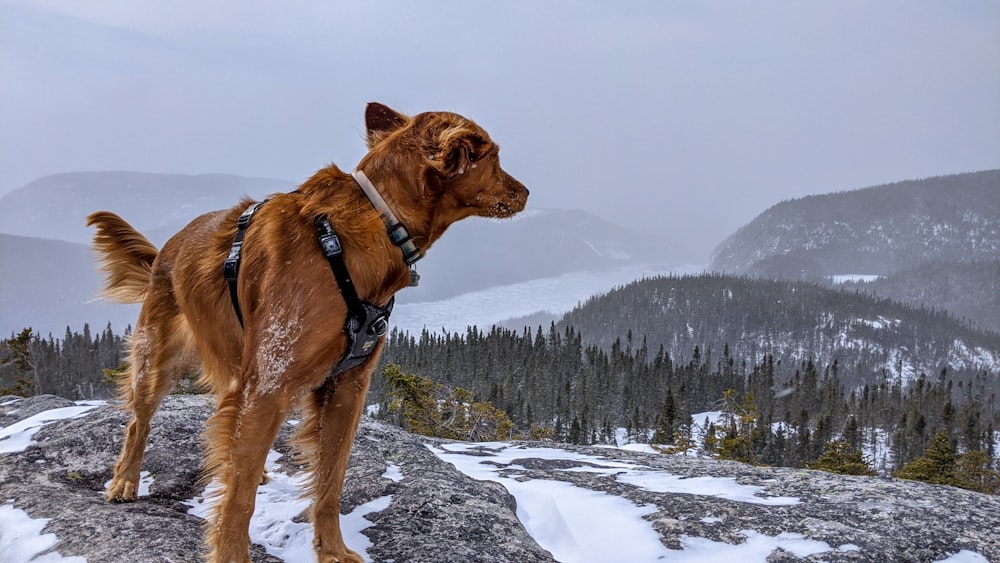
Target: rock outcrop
column 437, row 513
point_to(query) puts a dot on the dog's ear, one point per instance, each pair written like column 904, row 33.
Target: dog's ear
column 382, row 120
column 458, row 148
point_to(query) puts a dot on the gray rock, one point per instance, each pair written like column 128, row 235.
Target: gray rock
column 438, row 514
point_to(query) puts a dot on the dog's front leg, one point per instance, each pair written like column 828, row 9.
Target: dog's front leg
column 334, row 413
column 239, row 436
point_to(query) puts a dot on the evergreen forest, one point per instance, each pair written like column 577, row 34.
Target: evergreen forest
column 765, row 372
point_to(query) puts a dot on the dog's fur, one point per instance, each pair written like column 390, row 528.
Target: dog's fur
column 432, row 170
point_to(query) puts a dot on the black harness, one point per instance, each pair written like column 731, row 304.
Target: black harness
column 366, row 323
column 231, row 267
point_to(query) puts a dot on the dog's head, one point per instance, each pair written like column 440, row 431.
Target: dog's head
column 453, row 159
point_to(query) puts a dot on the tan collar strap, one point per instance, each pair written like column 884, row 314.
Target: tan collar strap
column 394, row 227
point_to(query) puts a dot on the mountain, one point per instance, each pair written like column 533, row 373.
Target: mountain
column 931, row 243
column 877, row 230
column 49, row 284
column 56, row 207
column 420, row 499
column 745, row 318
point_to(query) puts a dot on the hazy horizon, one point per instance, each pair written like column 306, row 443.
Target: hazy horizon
column 685, row 119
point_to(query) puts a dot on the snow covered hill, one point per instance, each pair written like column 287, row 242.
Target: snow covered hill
column 876, row 230
column 795, row 321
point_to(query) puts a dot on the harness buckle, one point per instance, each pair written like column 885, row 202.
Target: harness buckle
column 231, row 267
column 328, row 239
column 331, row 245
column 379, row 326
column 244, row 221
column 398, row 233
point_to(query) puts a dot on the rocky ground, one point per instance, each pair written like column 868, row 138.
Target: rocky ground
column 439, row 514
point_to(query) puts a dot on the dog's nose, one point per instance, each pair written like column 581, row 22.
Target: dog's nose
column 514, row 187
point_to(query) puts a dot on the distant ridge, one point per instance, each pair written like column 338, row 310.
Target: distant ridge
column 876, row 230
column 933, row 242
column 56, row 206
column 795, row 321
column 52, row 285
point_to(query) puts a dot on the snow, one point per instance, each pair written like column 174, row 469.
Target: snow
column 756, row 548
column 881, row 323
column 721, row 487
column 844, row 278
column 279, row 502
column 22, row 540
column 18, row 436
column 557, row 513
column 711, row 520
column 393, row 473
column 965, row 556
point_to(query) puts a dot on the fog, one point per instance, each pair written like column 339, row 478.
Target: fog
column 683, row 119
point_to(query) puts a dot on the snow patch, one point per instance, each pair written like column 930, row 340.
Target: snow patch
column 279, row 501
column 844, row 278
column 18, row 436
column 274, row 354
column 555, row 513
column 393, row 473
column 720, row 487
column 757, row 548
column 965, row 556
column 22, row 540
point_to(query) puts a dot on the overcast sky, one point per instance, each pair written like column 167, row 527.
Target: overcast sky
column 688, row 118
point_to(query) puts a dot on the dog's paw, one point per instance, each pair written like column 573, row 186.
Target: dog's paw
column 122, row 490
column 347, row 557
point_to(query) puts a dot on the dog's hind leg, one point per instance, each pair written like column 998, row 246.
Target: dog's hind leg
column 332, row 415
column 161, row 353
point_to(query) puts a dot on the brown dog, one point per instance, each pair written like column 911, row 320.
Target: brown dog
column 432, row 170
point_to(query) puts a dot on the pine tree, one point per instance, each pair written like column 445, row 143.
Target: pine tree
column 575, row 431
column 17, row 353
column 840, row 457
column 936, row 466
column 665, row 429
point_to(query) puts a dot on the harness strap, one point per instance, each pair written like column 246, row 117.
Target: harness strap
column 334, row 252
column 366, row 323
column 231, row 267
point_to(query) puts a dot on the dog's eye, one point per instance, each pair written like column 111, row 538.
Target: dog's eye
column 472, row 156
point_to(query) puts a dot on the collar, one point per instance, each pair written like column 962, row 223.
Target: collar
column 394, row 227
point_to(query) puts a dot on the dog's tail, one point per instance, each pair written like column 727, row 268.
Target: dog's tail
column 126, row 258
